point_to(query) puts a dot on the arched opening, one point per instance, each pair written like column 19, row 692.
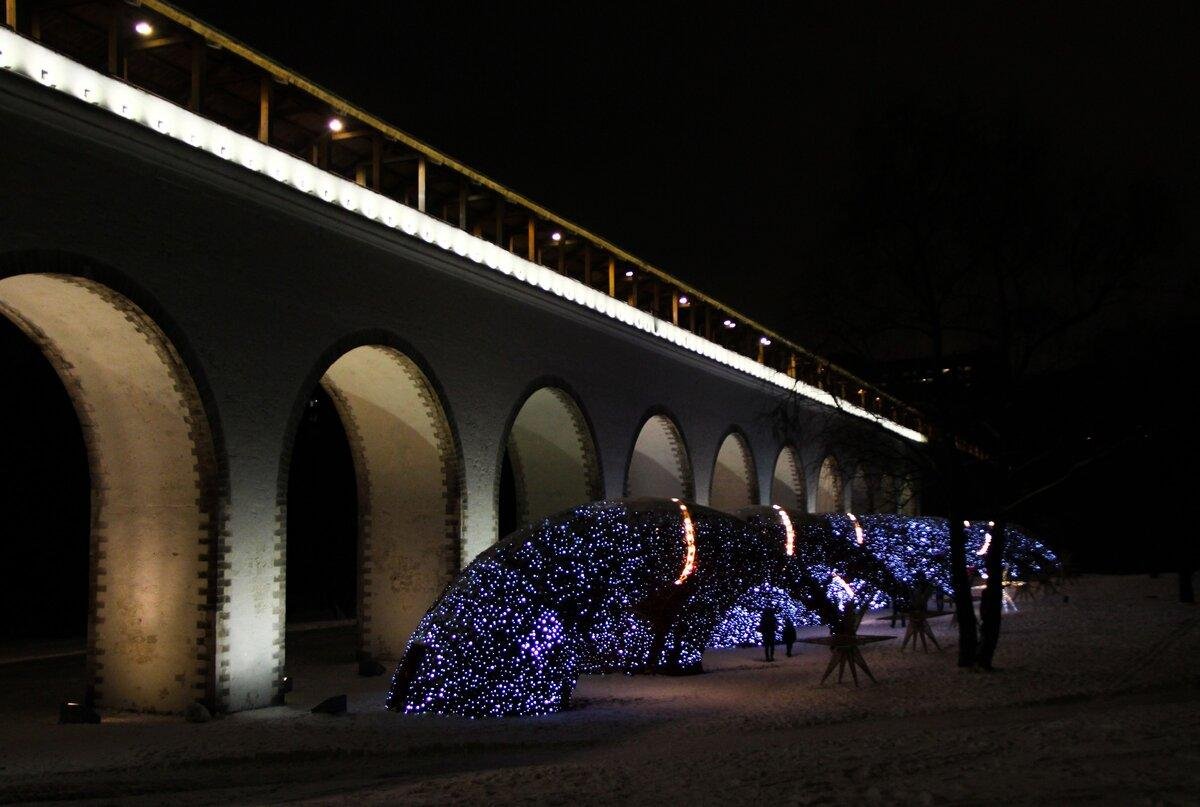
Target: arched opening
column 887, row 494
column 373, row 500
column 830, row 490
column 787, row 481
column 145, row 556
column 860, row 493
column 734, row 480
column 659, row 466
column 322, row 525
column 44, row 490
column 550, row 461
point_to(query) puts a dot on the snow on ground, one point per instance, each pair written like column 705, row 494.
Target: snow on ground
column 1094, row 700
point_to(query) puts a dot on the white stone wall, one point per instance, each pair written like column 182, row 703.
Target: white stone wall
column 262, row 289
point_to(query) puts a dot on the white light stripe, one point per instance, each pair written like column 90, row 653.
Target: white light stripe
column 789, row 531
column 27, row 58
column 858, row 530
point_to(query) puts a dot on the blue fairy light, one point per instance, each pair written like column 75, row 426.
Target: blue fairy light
column 599, row 589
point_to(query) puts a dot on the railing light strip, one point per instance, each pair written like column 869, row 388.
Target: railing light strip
column 24, row 57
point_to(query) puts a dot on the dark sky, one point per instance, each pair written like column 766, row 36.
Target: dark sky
column 716, row 144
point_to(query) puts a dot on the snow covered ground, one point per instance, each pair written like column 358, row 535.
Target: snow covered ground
column 1094, row 700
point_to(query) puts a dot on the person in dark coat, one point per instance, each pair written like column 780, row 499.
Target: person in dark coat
column 789, row 635
column 767, row 626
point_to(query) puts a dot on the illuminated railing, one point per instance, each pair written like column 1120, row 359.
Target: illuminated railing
column 793, row 370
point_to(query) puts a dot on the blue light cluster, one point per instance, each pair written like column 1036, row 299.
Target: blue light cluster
column 917, row 550
column 739, row 626
column 607, row 587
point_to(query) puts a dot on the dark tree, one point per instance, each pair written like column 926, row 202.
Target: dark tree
column 971, row 273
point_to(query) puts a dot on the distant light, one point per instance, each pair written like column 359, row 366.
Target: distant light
column 729, row 323
column 336, row 125
column 683, row 300
column 764, row 341
column 629, row 273
column 144, row 28
column 555, row 236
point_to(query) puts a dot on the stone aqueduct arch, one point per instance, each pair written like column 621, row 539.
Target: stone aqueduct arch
column 155, row 490
column 553, row 454
column 734, row 476
column 885, row 496
column 659, row 464
column 862, row 497
column 408, row 477
column 788, row 488
column 831, row 496
column 158, row 495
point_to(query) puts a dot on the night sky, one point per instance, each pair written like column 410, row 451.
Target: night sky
column 721, row 146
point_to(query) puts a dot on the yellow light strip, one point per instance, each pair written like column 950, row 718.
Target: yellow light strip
column 788, row 530
column 858, row 530
column 689, row 543
column 987, row 538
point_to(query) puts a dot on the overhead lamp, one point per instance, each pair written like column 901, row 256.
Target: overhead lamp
column 143, row 28
column 336, row 125
column 683, row 300
column 555, row 236
column 628, row 273
column 764, row 341
column 729, row 323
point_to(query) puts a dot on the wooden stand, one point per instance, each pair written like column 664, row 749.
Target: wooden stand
column 844, row 653
column 918, row 628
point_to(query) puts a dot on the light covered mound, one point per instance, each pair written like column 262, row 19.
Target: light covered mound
column 647, row 585
column 610, row 586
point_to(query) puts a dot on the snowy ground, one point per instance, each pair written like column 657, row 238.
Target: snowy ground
column 1096, row 700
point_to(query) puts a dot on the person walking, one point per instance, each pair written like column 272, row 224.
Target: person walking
column 789, row 635
column 767, row 626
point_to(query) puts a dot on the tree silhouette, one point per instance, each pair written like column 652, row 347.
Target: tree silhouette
column 970, row 272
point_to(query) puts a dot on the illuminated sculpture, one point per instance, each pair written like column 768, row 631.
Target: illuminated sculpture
column 609, row 586
column 916, row 550
column 647, row 585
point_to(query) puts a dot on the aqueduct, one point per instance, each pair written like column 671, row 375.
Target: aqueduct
column 197, row 280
